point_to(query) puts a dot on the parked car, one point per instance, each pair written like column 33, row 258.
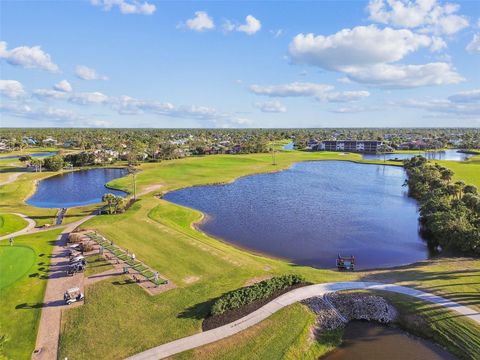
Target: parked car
column 73, row 295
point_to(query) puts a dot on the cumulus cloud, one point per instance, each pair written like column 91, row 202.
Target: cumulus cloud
column 251, row 26
column 44, row 94
column 366, row 53
column 200, row 22
column 28, row 57
column 63, row 85
column 85, row 73
column 406, row 76
column 126, row 7
column 360, row 46
column 474, row 45
column 271, row 106
column 424, row 15
column 11, row 88
column 321, row 92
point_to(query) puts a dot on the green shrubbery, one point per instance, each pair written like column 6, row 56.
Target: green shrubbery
column 449, row 211
column 246, row 295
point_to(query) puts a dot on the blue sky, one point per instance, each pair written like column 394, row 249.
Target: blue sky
column 127, row 63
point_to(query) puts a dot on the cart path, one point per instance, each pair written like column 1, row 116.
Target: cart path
column 11, row 178
column 210, row 336
column 27, row 229
column 49, row 327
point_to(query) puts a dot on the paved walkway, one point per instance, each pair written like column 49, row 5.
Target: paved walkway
column 30, row 227
column 46, row 347
column 289, row 298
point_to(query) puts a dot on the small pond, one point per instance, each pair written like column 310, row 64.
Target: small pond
column 450, row 154
column 288, row 146
column 367, row 341
column 40, row 154
column 76, row 188
column 313, row 211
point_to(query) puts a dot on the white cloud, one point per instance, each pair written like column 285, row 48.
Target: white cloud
column 126, row 7
column 28, row 57
column 63, row 85
column 271, row 106
column 406, row 76
column 474, row 45
column 424, row 15
column 360, row 46
column 44, row 94
column 11, row 88
column 44, row 113
column 464, row 104
column 86, row 73
column 200, row 22
column 88, row 98
column 292, row 89
column 366, row 53
column 252, row 25
column 321, row 92
column 354, row 109
column 470, row 96
column 344, row 96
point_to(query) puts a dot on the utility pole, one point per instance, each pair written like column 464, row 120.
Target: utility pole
column 132, row 170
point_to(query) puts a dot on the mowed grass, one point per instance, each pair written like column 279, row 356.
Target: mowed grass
column 10, row 223
column 21, row 295
column 468, row 171
column 284, row 335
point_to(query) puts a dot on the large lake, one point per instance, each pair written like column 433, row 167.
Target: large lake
column 450, row 154
column 76, row 188
column 313, row 211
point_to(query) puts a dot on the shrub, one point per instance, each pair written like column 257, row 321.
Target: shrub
column 246, row 295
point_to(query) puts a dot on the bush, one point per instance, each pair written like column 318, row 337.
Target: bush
column 53, row 163
column 75, row 238
column 246, row 295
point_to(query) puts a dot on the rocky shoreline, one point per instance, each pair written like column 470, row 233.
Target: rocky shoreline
column 336, row 310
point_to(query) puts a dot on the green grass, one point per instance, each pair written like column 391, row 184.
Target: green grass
column 285, row 335
column 96, row 264
column 10, row 223
column 468, row 171
column 22, row 293
column 16, row 261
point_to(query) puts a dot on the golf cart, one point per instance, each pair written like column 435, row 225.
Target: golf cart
column 75, row 268
column 73, row 295
column 346, row 263
column 78, row 258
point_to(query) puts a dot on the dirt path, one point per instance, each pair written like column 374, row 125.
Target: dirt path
column 207, row 337
column 46, row 347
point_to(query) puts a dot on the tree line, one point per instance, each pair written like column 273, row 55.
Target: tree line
column 449, row 210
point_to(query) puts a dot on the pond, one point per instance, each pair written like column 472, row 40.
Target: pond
column 450, row 154
column 288, row 146
column 366, row 341
column 40, row 154
column 76, row 188
column 313, row 211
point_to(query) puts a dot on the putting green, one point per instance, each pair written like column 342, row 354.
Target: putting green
column 15, row 262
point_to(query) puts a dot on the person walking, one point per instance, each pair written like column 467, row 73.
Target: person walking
column 11, row 241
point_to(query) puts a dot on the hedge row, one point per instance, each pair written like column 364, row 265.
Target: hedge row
column 246, row 295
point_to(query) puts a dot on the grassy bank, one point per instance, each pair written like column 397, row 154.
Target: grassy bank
column 24, row 270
